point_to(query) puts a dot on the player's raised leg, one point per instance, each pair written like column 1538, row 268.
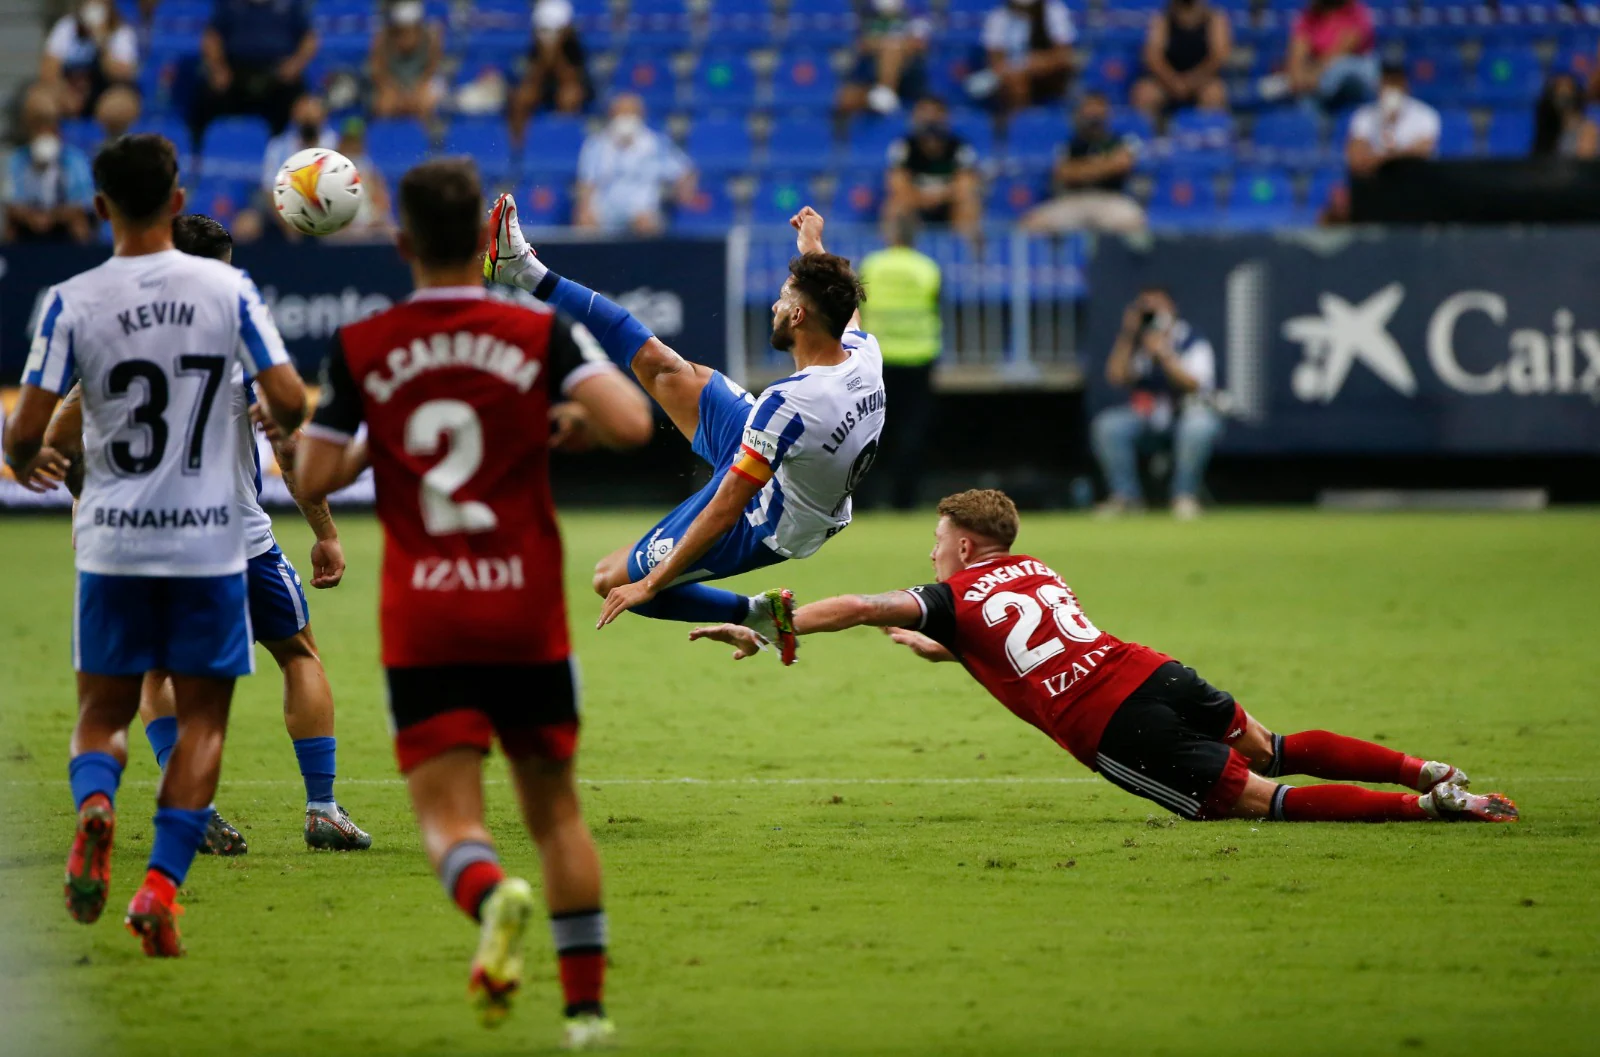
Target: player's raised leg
column 1324, row 754
column 158, row 710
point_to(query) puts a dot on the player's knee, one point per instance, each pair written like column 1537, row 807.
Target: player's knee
column 1255, row 745
column 297, row 649
column 655, row 359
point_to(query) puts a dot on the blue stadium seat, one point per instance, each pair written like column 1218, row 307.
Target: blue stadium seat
column 1036, row 135
column 1325, row 186
column 1263, row 199
column 545, row 204
column 1014, row 194
column 964, row 18
column 502, row 47
column 1111, row 71
column 778, row 197
column 745, row 24
column 646, row 74
column 1508, row 76
column 170, row 126
column 1184, row 200
column 486, row 140
column 1510, row 133
column 857, row 197
column 802, row 142
column 724, row 79
column 721, row 144
column 233, row 147
column 658, row 24
column 1576, row 55
column 552, row 144
column 220, row 198
column 977, row 128
column 948, row 69
column 868, row 140
column 1130, row 123
column 709, row 213
column 1201, row 140
column 397, row 144
column 81, row 132
column 1286, row 137
column 823, row 23
column 1457, row 136
column 804, row 79
column 1438, row 76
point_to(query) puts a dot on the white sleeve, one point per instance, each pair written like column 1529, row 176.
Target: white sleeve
column 260, row 345
column 51, row 364
column 994, row 30
column 1428, row 124
column 58, row 45
column 588, row 162
column 1058, row 23
column 1200, row 360
column 124, row 45
column 1364, row 126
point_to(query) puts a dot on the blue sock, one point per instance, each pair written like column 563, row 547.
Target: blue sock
column 179, row 832
column 163, row 735
column 700, row 603
column 94, row 772
column 316, row 756
column 613, row 326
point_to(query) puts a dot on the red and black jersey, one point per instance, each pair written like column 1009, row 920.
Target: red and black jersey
column 1018, row 628
column 455, row 390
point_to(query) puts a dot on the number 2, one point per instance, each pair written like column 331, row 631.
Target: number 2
column 1063, row 607
column 457, row 421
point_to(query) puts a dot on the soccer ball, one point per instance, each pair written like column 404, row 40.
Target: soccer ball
column 318, row 191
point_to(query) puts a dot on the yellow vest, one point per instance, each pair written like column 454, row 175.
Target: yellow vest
column 902, row 306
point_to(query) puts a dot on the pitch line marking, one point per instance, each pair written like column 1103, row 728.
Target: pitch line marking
column 1011, row 780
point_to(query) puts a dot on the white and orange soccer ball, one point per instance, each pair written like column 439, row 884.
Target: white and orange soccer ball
column 318, row 191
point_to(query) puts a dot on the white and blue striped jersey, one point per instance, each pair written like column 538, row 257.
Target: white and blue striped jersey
column 257, row 524
column 159, row 341
column 817, row 432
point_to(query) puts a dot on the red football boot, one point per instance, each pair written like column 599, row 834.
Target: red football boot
column 89, row 862
column 153, row 917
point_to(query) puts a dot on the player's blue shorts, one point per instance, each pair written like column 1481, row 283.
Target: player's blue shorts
column 278, row 607
column 192, row 625
column 724, row 409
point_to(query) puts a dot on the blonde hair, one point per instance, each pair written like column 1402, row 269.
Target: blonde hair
column 988, row 512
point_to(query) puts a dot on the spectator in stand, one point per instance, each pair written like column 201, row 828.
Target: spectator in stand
column 1029, row 43
column 891, row 66
column 1091, row 178
column 116, row 111
column 1396, row 126
column 50, row 197
column 1333, row 57
column 1562, row 127
column 933, row 174
column 254, row 56
column 374, row 222
column 558, row 73
column 87, row 52
column 1185, row 49
column 405, row 59
column 627, row 172
column 1170, row 371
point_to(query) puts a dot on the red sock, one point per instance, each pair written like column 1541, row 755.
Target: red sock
column 1323, row 754
column 583, row 980
column 475, row 882
column 1344, row 803
column 163, row 886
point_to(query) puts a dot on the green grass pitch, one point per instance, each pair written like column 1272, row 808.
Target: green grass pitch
column 872, row 856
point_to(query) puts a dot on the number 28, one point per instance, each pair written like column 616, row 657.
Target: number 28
column 1068, row 615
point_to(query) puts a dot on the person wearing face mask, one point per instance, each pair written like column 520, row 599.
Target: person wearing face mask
column 933, row 174
column 557, row 74
column 890, row 64
column 85, row 53
column 253, row 57
column 1091, row 178
column 1333, row 58
column 51, row 192
column 405, row 59
column 627, row 172
column 1396, row 126
column 1562, row 127
column 1029, row 44
column 1184, row 52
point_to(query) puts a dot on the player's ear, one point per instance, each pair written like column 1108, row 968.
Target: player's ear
column 402, row 243
column 101, row 208
column 179, row 197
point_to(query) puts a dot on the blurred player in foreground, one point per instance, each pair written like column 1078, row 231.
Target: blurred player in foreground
column 156, row 336
column 1145, row 722
column 783, row 467
column 457, row 392
column 279, row 618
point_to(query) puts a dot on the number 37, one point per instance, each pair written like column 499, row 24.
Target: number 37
column 1068, row 615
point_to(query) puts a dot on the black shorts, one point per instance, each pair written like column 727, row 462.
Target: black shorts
column 1170, row 742
column 531, row 708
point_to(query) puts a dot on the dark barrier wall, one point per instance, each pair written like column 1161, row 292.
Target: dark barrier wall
column 677, row 287
column 1466, row 342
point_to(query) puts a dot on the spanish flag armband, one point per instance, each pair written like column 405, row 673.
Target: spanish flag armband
column 756, row 455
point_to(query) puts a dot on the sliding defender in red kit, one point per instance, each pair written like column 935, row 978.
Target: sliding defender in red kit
column 458, row 394
column 1146, row 723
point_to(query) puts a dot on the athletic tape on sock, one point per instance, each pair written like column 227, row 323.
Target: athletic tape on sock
column 579, row 930
column 458, row 857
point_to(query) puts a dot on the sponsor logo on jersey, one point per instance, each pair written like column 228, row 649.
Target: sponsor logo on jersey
column 656, row 551
column 468, row 574
column 1061, row 682
column 483, row 352
column 134, row 517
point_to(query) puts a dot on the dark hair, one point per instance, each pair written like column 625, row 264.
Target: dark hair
column 830, row 289
column 441, row 209
column 1549, row 119
column 200, row 236
column 137, row 174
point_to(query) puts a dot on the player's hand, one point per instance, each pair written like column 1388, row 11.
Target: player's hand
column 808, row 222
column 746, row 642
column 571, row 427
column 327, row 564
column 919, row 644
column 45, row 471
column 621, row 599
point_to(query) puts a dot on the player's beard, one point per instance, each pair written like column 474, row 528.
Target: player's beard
column 782, row 334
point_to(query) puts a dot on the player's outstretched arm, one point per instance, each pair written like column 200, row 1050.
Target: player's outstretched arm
column 322, row 467
column 808, row 225
column 896, row 612
column 284, row 394
column 615, row 412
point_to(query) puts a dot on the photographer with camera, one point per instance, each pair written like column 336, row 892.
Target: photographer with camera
column 1170, row 370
